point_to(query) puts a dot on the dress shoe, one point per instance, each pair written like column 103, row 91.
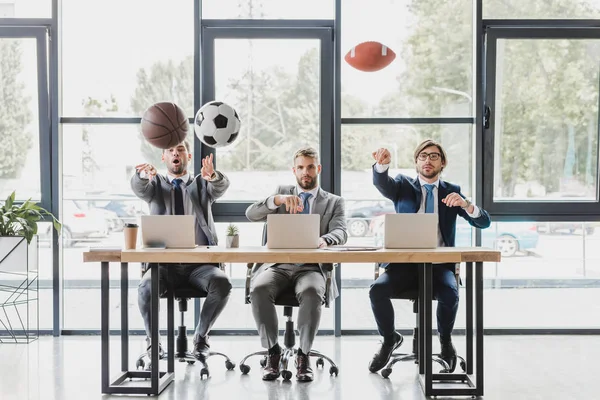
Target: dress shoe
column 271, row 369
column 448, row 353
column 161, row 353
column 304, row 372
column 201, row 348
column 381, row 358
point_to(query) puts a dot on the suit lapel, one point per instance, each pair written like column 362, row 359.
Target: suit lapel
column 419, row 194
column 320, row 203
column 166, row 190
column 442, row 208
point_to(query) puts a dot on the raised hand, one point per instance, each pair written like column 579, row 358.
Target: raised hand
column 382, row 156
column 147, row 168
column 454, row 200
column 293, row 204
column 207, row 170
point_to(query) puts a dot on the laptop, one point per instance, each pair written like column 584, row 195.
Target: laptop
column 293, row 231
column 411, row 231
column 168, row 231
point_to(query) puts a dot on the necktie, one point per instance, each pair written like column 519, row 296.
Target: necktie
column 429, row 201
column 305, row 196
column 179, row 210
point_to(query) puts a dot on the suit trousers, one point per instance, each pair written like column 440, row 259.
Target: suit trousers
column 399, row 278
column 309, row 285
column 207, row 277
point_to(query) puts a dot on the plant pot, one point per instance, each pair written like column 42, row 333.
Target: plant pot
column 19, row 295
column 233, row 241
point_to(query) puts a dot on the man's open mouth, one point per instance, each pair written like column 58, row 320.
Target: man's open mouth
column 176, row 161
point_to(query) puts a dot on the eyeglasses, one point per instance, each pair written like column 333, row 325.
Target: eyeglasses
column 432, row 156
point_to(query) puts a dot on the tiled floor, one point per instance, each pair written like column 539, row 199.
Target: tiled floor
column 517, row 367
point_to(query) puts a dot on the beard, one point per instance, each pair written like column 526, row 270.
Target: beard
column 431, row 174
column 177, row 169
column 311, row 184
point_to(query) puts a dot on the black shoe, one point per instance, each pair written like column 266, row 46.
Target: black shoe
column 381, row 358
column 271, row 369
column 448, row 353
column 303, row 371
column 201, row 348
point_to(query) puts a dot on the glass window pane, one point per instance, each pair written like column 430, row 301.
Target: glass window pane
column 19, row 119
column 550, row 266
column 277, row 99
column 546, row 120
column 432, row 72
column 121, row 68
column 540, row 9
column 26, row 9
column 267, row 9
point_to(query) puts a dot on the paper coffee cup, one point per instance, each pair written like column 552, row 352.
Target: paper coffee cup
column 130, row 232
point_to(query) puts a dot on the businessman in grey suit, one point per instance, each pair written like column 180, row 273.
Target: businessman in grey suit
column 179, row 193
column 308, row 280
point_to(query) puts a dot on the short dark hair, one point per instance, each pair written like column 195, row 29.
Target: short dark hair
column 185, row 143
column 309, row 152
column 430, row 142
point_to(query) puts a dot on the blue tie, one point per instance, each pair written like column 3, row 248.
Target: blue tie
column 305, row 196
column 429, row 201
column 179, row 210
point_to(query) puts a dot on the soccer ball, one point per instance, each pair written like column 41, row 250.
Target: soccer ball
column 217, row 124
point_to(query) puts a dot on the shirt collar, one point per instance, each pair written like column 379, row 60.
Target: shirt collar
column 422, row 182
column 185, row 178
column 313, row 191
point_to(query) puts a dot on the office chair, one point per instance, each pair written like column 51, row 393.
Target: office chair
column 182, row 294
column 288, row 300
column 413, row 295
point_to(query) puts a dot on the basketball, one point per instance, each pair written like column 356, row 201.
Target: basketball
column 164, row 125
column 370, row 56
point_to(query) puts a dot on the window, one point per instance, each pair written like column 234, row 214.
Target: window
column 267, row 9
column 117, row 61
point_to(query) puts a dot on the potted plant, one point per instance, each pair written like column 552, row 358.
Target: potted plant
column 233, row 237
column 21, row 220
column 19, row 268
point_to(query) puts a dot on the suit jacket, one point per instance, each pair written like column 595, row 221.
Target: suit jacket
column 158, row 193
column 332, row 226
column 406, row 194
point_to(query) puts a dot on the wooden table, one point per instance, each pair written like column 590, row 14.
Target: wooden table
column 425, row 257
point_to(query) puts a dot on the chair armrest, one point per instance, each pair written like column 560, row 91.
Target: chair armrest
column 376, row 272
column 247, row 287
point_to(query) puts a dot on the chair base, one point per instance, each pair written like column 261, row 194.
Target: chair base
column 183, row 355
column 287, row 356
column 398, row 357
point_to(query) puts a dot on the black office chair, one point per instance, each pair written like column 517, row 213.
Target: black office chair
column 288, row 300
column 182, row 294
column 413, row 295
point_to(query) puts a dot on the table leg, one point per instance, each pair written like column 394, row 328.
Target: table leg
column 479, row 326
column 469, row 326
column 155, row 332
column 104, row 323
column 124, row 317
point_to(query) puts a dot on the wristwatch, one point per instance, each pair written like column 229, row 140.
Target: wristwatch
column 468, row 204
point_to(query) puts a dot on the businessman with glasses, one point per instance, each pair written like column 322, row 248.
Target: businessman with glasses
column 426, row 193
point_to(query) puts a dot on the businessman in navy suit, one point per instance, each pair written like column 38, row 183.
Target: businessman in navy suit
column 425, row 194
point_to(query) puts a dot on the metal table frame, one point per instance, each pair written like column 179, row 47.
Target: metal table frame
column 159, row 380
column 427, row 378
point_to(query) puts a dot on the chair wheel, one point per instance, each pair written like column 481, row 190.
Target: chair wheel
column 140, row 364
column 333, row 370
column 463, row 366
column 263, row 362
column 244, row 368
column 320, row 362
column 204, row 371
column 229, row 365
column 191, row 362
column 386, row 372
column 286, row 375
